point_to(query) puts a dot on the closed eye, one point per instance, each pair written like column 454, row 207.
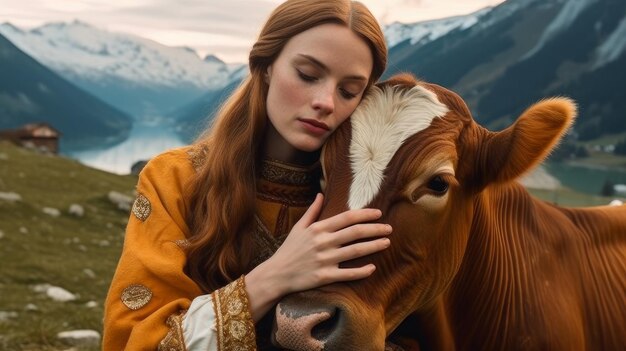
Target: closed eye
column 306, row 77
column 346, row 94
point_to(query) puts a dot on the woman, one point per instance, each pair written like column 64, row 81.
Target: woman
column 220, row 231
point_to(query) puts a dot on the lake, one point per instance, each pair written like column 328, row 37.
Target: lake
column 144, row 142
column 584, row 179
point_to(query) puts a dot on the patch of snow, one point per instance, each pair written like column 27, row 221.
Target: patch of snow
column 566, row 16
column 81, row 50
column 613, row 47
column 426, row 31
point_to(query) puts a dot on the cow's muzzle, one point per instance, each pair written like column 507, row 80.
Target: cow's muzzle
column 306, row 325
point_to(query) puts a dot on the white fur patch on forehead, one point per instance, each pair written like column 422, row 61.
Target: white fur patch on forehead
column 381, row 123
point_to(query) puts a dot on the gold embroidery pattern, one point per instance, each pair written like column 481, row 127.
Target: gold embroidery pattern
column 235, row 328
column 174, row 340
column 182, row 243
column 142, row 207
column 197, row 156
column 136, row 296
column 282, row 173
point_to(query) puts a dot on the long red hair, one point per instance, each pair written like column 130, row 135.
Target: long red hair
column 222, row 203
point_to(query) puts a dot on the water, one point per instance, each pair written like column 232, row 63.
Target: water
column 584, row 179
column 144, row 142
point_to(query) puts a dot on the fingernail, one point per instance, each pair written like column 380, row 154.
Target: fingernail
column 386, row 242
column 389, row 228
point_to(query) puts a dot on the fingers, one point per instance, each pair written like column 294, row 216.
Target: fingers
column 360, row 249
column 360, row 231
column 311, row 214
column 348, row 274
column 349, row 218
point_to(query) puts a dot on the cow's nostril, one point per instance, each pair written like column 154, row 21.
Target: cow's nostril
column 325, row 328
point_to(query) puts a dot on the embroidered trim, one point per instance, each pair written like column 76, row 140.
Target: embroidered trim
column 136, row 296
column 235, row 328
column 283, row 173
column 291, row 197
column 141, row 207
column 197, row 156
column 266, row 243
column 174, row 340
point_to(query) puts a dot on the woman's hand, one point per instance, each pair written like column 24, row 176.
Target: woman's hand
column 311, row 254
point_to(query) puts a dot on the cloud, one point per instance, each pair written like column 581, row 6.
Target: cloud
column 222, row 27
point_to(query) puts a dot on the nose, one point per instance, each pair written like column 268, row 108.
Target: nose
column 324, row 100
column 302, row 326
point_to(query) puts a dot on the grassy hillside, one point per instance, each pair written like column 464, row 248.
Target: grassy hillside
column 74, row 253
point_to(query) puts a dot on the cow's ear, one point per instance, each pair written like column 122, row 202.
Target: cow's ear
column 514, row 151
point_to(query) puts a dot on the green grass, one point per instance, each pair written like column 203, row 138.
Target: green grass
column 63, row 251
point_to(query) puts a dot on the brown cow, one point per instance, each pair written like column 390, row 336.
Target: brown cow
column 476, row 263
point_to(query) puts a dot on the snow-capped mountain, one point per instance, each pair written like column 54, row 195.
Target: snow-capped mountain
column 31, row 93
column 138, row 75
column 423, row 32
column 523, row 50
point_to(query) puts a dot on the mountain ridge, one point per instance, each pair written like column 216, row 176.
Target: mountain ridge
column 30, row 92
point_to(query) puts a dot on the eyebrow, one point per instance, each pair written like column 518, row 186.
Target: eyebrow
column 319, row 64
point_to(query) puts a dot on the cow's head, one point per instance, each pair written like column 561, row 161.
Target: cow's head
column 413, row 150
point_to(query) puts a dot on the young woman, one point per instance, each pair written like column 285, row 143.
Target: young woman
column 220, row 230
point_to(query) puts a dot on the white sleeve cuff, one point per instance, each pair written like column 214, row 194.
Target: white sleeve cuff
column 199, row 328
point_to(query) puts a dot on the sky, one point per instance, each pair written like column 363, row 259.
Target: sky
column 226, row 28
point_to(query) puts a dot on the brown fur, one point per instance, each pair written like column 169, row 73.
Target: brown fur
column 492, row 269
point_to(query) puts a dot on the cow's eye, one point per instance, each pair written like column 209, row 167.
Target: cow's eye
column 438, row 185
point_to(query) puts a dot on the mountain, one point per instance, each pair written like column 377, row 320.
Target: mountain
column 524, row 50
column 30, row 92
column 139, row 76
column 194, row 117
column 421, row 33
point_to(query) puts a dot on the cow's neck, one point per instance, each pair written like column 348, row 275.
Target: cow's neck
column 522, row 272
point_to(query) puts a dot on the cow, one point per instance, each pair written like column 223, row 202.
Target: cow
column 475, row 262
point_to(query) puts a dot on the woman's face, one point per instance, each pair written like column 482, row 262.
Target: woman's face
column 315, row 84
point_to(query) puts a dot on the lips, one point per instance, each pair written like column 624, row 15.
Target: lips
column 315, row 123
